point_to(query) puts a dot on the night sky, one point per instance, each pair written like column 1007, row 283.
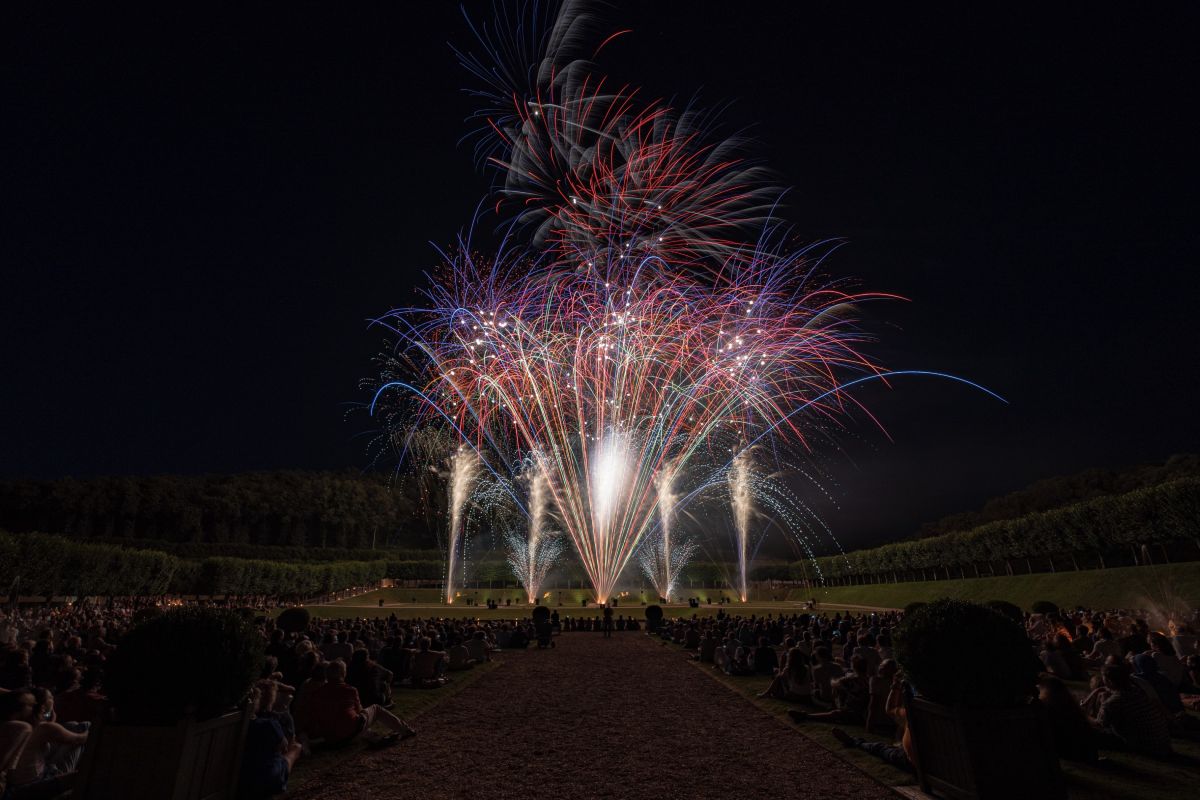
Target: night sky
column 199, row 214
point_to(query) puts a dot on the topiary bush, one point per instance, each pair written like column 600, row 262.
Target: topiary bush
column 187, row 661
column 959, row 653
column 1008, row 609
column 1044, row 607
column 293, row 620
column 654, row 615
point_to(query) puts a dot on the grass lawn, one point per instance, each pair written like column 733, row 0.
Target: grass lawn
column 1126, row 775
column 554, row 596
column 398, row 601
column 1158, row 587
column 408, row 704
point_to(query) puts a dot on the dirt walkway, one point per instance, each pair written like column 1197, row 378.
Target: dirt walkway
column 621, row 718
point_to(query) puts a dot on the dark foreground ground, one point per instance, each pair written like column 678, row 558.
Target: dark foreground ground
column 625, row 717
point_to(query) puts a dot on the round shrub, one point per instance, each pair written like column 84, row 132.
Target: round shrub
column 654, row 615
column 541, row 615
column 945, row 646
column 1008, row 609
column 293, row 620
column 187, row 661
column 1044, row 607
column 911, row 607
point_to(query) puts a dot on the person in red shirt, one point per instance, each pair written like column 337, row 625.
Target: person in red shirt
column 336, row 713
column 76, row 698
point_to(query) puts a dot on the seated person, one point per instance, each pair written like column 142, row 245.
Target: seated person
column 428, row 665
column 14, row 731
column 1054, row 661
column 1106, row 646
column 1160, row 690
column 708, row 648
column 336, row 646
column 505, row 634
column 880, row 685
column 794, row 679
column 477, row 647
column 1076, row 667
column 1169, row 664
column 373, row 681
column 1127, row 718
column 79, row 700
column 765, row 662
column 16, row 673
column 866, row 649
column 270, row 751
column 1074, row 738
column 824, row 671
column 730, row 646
column 399, row 661
column 266, row 699
column 1185, row 641
column 899, row 755
column 740, row 665
column 459, row 658
column 851, row 695
column 337, row 715
column 53, row 750
column 517, row 639
column 302, row 705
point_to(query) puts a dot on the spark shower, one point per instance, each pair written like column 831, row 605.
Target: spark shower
column 643, row 325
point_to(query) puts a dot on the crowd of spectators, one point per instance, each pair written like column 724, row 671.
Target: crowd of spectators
column 1111, row 681
column 322, row 687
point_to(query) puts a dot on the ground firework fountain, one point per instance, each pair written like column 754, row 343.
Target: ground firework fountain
column 464, row 469
column 664, row 555
column 666, row 518
column 742, row 505
column 531, row 556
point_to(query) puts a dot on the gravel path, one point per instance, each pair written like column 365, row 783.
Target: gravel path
column 621, row 718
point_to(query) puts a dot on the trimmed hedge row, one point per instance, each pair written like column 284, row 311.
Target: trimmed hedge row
column 1169, row 512
column 50, row 565
column 38, row 564
column 196, row 551
column 252, row 576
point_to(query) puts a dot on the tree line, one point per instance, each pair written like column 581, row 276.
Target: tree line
column 344, row 516
column 1066, row 490
column 277, row 509
column 313, row 533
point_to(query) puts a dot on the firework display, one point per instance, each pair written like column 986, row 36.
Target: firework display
column 665, row 553
column 463, row 473
column 741, row 503
column 642, row 326
column 531, row 556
